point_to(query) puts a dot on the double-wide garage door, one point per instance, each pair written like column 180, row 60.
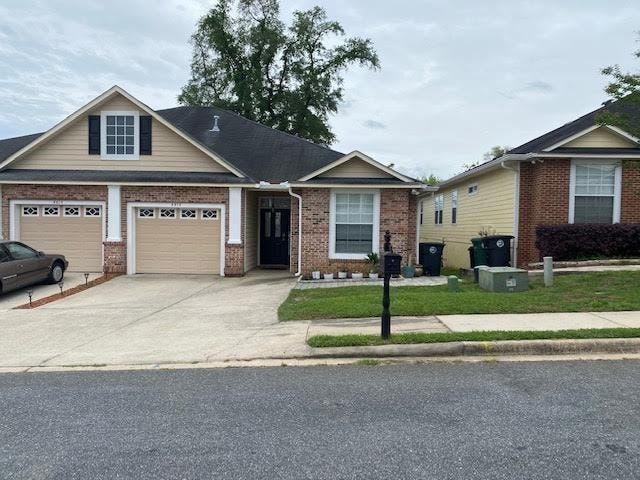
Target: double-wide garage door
column 74, row 231
column 177, row 240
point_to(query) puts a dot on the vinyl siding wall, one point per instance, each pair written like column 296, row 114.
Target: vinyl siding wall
column 490, row 209
column 355, row 168
column 69, row 150
column 600, row 138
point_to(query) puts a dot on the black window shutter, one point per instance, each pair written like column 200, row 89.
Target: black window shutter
column 94, row 134
column 145, row 135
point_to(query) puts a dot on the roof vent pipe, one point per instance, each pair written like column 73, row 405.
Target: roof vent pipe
column 215, row 127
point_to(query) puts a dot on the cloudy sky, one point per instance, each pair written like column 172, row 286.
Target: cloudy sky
column 457, row 77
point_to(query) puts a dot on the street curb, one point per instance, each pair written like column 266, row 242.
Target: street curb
column 494, row 348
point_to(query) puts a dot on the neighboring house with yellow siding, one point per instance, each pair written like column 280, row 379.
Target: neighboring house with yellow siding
column 581, row 172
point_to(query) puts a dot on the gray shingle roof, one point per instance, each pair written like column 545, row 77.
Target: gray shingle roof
column 261, row 152
column 628, row 108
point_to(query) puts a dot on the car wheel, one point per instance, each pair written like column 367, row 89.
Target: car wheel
column 57, row 273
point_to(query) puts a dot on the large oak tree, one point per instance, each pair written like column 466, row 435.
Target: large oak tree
column 247, row 60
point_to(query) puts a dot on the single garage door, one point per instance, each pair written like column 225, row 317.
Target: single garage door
column 74, row 231
column 178, row 240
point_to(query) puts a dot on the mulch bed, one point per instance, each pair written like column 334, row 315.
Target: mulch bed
column 68, row 293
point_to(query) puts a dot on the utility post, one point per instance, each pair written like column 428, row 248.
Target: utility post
column 390, row 266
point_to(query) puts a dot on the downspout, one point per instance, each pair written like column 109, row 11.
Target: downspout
column 516, row 206
column 299, row 272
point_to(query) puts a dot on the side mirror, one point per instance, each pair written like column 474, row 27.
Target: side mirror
column 41, row 254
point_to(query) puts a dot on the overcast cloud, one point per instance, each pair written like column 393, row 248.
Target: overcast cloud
column 457, row 77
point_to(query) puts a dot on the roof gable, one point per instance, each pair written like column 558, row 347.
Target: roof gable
column 597, row 136
column 114, row 98
column 356, row 165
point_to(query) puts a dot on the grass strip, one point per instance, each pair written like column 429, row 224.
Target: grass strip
column 323, row 341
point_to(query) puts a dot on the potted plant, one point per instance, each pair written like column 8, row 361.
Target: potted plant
column 315, row 275
column 342, row 272
column 374, row 260
column 328, row 276
column 408, row 271
column 419, row 270
column 357, row 276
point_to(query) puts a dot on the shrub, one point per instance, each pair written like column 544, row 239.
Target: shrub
column 583, row 241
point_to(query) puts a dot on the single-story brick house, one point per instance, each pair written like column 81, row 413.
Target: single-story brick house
column 120, row 187
column 581, row 172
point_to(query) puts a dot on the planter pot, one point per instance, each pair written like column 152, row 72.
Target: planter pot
column 342, row 275
column 357, row 276
column 419, row 270
column 373, row 276
column 328, row 276
column 315, row 275
column 408, row 271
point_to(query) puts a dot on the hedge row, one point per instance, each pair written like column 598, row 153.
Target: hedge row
column 584, row 241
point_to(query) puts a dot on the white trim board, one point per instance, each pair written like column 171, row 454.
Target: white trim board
column 94, row 104
column 131, row 228
column 361, row 156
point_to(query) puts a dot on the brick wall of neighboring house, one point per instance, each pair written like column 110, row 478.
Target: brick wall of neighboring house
column 234, row 254
column 397, row 214
column 544, row 200
column 47, row 192
column 630, row 196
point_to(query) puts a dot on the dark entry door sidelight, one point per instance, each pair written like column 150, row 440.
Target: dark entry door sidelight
column 274, row 237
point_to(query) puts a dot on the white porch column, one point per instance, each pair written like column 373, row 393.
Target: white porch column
column 113, row 214
column 235, row 215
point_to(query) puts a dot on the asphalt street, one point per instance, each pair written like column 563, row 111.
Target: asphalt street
column 557, row 420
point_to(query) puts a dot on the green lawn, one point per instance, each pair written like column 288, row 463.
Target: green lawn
column 587, row 292
column 322, row 341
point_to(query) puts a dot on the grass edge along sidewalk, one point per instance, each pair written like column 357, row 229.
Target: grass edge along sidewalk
column 586, row 292
column 327, row 341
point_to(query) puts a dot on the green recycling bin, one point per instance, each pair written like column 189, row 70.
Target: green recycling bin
column 479, row 252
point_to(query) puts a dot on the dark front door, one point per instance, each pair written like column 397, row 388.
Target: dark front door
column 274, row 236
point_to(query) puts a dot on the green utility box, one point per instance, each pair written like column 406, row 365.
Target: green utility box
column 504, row 279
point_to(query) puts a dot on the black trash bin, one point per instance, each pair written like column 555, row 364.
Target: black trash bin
column 498, row 250
column 430, row 254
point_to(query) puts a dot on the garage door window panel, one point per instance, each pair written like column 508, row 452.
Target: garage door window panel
column 188, row 214
column 51, row 211
column 92, row 212
column 209, row 214
column 146, row 213
column 169, row 213
column 29, row 211
column 71, row 211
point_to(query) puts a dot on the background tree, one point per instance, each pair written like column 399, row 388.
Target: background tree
column 247, row 60
column 495, row 152
column 431, row 179
column 622, row 85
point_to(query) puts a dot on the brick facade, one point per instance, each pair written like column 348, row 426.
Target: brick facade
column 397, row 214
column 544, row 200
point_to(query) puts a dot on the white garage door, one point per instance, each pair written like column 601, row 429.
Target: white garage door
column 74, row 231
column 177, row 240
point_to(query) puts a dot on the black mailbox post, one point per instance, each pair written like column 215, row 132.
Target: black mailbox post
column 390, row 266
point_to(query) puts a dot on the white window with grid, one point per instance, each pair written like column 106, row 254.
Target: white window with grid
column 209, row 214
column 438, row 205
column 71, row 211
column 30, row 211
column 92, row 211
column 119, row 135
column 188, row 213
column 51, row 211
column 595, row 192
column 167, row 213
column 454, row 206
column 354, row 226
column 146, row 213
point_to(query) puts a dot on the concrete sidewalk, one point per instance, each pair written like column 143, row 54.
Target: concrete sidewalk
column 466, row 323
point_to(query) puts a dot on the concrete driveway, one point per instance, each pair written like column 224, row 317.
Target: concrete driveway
column 154, row 319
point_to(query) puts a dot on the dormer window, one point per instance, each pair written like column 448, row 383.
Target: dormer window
column 119, row 135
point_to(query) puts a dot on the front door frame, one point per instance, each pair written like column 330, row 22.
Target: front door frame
column 131, row 228
column 259, row 222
